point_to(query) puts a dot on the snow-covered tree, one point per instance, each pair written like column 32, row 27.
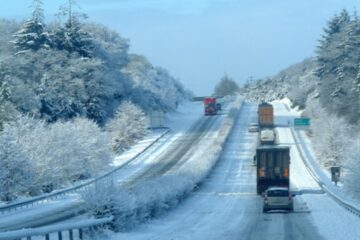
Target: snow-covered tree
column 331, row 134
column 72, row 37
column 62, row 152
column 154, row 87
column 109, row 46
column 38, row 11
column 32, row 35
column 338, row 66
column 16, row 172
column 129, row 125
column 7, row 30
column 3, row 95
column 352, row 168
column 65, row 81
column 225, row 87
column 79, row 148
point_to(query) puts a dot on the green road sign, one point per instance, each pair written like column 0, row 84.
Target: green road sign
column 302, row 122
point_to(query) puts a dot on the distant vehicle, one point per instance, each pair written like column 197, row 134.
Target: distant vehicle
column 267, row 136
column 210, row 106
column 253, row 127
column 273, row 167
column 218, row 106
column 265, row 115
column 278, row 198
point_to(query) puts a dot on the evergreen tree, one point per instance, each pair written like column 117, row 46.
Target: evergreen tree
column 7, row 111
column 338, row 66
column 32, row 35
column 225, row 87
column 72, row 37
column 332, row 44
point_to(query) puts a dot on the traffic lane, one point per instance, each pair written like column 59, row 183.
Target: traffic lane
column 277, row 225
column 173, row 155
column 332, row 220
column 216, row 209
column 226, row 215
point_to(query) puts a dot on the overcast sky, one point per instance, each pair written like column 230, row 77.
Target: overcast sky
column 198, row 41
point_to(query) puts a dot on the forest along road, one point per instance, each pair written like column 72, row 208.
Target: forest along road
column 159, row 159
column 227, row 207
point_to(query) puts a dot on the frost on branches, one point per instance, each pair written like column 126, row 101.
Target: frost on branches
column 63, row 152
column 16, row 172
column 128, row 126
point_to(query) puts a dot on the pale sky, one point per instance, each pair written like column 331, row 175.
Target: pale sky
column 198, row 41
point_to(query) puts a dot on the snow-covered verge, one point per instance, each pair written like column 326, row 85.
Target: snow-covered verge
column 154, row 196
column 322, row 145
column 345, row 198
column 335, row 142
column 136, row 150
column 316, row 162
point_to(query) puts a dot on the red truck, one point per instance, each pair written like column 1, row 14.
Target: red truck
column 210, row 106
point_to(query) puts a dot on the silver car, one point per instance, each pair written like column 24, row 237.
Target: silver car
column 278, row 198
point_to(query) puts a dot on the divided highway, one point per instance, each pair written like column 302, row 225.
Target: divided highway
column 226, row 205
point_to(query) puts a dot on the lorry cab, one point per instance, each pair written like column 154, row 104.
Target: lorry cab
column 210, row 106
column 267, row 136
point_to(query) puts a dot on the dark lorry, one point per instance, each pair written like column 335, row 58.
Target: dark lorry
column 273, row 167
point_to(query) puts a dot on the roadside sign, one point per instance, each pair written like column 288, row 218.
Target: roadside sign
column 156, row 119
column 335, row 174
column 302, row 122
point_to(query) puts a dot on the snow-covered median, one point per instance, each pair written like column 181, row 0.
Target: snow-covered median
column 153, row 196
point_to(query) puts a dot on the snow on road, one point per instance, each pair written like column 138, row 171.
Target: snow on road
column 228, row 191
column 226, row 205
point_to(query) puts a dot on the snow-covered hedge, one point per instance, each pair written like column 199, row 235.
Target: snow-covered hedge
column 152, row 197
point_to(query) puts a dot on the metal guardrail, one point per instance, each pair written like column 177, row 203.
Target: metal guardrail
column 45, row 197
column 342, row 202
column 76, row 231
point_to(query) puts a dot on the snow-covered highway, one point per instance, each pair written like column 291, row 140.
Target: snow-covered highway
column 226, row 205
